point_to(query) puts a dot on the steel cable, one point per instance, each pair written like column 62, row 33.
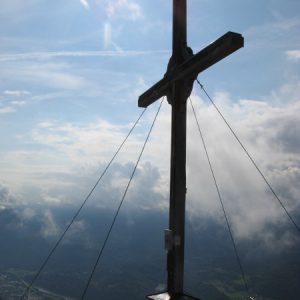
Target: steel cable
column 119, row 207
column 251, row 159
column 25, row 293
column 221, row 201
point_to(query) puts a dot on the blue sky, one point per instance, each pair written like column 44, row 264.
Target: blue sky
column 70, row 75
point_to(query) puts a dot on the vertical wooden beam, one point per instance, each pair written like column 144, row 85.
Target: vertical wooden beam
column 179, row 29
column 177, row 84
column 175, row 259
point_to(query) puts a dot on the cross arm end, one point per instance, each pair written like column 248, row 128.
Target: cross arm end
column 154, row 93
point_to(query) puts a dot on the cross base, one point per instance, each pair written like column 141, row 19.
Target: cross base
column 166, row 296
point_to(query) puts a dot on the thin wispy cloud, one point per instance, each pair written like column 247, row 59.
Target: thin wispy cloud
column 16, row 93
column 287, row 24
column 107, row 35
column 293, row 54
column 57, row 54
column 7, row 109
column 12, row 100
column 127, row 8
column 18, row 103
column 85, row 4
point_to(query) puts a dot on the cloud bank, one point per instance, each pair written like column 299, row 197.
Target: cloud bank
column 268, row 130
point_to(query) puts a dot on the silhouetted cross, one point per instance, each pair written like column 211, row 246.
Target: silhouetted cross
column 177, row 84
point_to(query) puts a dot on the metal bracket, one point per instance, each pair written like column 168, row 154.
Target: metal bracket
column 187, row 53
column 171, row 240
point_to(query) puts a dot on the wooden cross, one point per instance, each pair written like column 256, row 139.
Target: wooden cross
column 177, row 84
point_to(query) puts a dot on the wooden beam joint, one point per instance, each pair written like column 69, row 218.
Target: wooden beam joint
column 190, row 68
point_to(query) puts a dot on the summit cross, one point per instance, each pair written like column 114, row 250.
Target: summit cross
column 177, row 85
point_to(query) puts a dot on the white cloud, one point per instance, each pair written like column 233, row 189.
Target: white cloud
column 49, row 199
column 6, row 196
column 293, row 54
column 46, row 74
column 45, row 124
column 11, row 101
column 7, row 110
column 270, row 135
column 85, row 4
column 18, row 103
column 107, row 39
column 288, row 93
column 91, row 141
column 268, row 129
column 49, row 227
column 16, row 93
column 126, row 8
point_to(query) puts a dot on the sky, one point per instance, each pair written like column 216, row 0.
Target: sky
column 70, row 76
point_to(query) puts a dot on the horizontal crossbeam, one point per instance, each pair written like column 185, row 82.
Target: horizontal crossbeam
column 216, row 51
